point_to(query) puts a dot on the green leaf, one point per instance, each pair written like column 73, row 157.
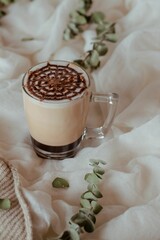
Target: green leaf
column 94, row 161
column 88, row 195
column 111, row 37
column 86, row 4
column 97, row 17
column 79, row 218
column 67, row 34
column 100, row 28
column 85, row 203
column 97, row 161
column 96, row 207
column 92, row 178
column 60, row 183
column 101, row 48
column 83, row 219
column 81, row 11
column 78, row 18
column 93, row 58
column 98, row 170
column 89, row 226
column 5, row 204
column 94, row 189
column 74, row 28
column 89, row 213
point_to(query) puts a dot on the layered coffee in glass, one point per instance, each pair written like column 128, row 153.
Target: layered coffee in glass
column 56, row 97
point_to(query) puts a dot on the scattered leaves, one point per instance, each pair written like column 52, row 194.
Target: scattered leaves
column 79, row 20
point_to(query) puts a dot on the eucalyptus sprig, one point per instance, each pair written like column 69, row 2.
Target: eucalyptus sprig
column 105, row 32
column 84, row 220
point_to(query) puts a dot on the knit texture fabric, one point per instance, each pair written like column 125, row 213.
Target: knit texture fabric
column 15, row 223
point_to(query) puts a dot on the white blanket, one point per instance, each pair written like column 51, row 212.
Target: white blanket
column 131, row 184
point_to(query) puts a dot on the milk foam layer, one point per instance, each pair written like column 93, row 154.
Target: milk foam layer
column 55, row 82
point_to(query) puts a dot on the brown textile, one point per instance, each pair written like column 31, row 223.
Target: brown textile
column 15, row 223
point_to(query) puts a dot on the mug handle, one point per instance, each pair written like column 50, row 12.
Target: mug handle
column 111, row 99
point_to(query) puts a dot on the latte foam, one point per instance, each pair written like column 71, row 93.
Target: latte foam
column 55, row 82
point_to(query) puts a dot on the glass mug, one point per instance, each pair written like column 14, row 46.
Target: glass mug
column 56, row 96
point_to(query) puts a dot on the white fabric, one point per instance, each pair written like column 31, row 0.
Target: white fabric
column 131, row 189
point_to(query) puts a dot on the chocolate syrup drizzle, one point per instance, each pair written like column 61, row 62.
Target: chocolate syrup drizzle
column 55, row 82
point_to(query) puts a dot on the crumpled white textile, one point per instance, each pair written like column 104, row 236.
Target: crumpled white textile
column 131, row 68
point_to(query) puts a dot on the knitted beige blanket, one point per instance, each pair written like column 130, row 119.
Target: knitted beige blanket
column 15, row 223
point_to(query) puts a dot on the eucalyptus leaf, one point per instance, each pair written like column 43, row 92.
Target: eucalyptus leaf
column 86, row 4
column 69, row 235
column 85, row 203
column 92, row 178
column 102, row 162
column 60, row 183
column 83, row 219
column 99, row 175
column 74, row 28
column 78, row 18
column 97, row 161
column 94, row 189
column 100, row 28
column 74, row 226
column 96, row 207
column 101, row 48
column 5, row 204
column 79, row 218
column 99, row 170
column 93, row 58
column 94, row 161
column 92, row 217
column 67, row 35
column 89, row 226
column 81, row 10
column 111, row 37
column 88, row 195
column 97, row 17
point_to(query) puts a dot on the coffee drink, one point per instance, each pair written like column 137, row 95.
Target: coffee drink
column 56, row 99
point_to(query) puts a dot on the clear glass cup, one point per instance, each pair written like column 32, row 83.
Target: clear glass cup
column 58, row 126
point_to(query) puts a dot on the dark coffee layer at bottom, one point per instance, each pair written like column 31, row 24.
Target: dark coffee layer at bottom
column 57, row 152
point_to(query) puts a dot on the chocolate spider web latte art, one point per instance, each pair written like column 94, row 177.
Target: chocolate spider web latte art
column 55, row 82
